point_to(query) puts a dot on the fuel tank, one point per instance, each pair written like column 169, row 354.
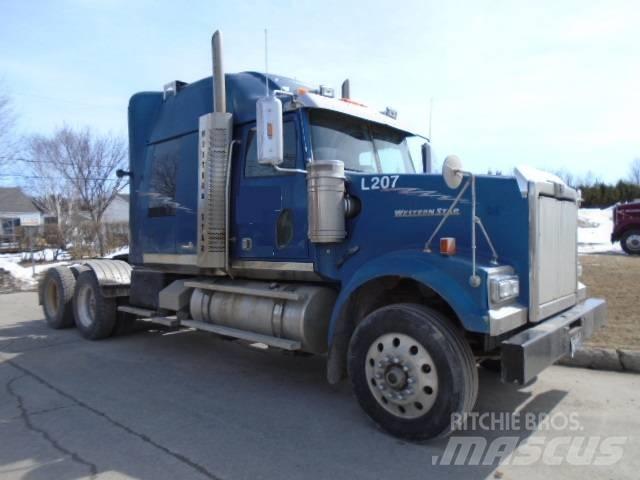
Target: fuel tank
column 290, row 311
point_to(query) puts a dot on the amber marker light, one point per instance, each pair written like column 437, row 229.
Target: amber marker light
column 448, row 246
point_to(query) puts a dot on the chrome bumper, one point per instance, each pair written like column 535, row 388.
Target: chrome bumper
column 530, row 351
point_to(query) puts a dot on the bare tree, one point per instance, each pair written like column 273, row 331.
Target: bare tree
column 81, row 164
column 566, row 176
column 634, row 171
column 7, row 122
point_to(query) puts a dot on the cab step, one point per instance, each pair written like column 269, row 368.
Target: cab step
column 152, row 316
column 282, row 343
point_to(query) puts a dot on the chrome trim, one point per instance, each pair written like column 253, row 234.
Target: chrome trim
column 170, row 258
column 533, row 240
column 499, row 270
column 507, row 318
column 272, row 266
column 557, row 305
column 539, row 312
column 530, row 351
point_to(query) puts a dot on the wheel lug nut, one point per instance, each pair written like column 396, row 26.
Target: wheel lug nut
column 396, row 360
column 378, row 376
column 410, row 380
column 405, row 368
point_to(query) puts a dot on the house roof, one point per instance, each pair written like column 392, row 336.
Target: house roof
column 14, row 200
column 124, row 196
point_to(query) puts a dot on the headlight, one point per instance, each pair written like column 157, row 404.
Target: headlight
column 504, row 287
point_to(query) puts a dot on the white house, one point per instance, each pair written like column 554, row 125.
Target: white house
column 118, row 210
column 16, row 210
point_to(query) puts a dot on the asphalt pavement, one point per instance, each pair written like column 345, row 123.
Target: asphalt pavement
column 162, row 404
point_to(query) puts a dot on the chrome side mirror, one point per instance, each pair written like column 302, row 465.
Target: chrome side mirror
column 269, row 131
column 452, row 171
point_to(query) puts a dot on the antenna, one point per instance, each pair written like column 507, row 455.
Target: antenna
column 266, row 63
column 430, row 115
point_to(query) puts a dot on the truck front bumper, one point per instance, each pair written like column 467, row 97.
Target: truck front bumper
column 530, row 351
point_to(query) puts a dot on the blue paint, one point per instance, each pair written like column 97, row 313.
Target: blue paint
column 386, row 241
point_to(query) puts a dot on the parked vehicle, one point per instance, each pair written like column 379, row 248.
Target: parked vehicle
column 312, row 223
column 626, row 227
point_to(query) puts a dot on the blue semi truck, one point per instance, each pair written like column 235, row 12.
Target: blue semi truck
column 272, row 212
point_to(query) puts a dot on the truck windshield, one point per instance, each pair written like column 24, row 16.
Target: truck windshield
column 363, row 146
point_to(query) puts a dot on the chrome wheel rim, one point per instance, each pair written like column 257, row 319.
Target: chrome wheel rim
column 401, row 375
column 633, row 242
column 51, row 298
column 86, row 305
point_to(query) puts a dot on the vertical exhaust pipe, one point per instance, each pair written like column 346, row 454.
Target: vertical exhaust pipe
column 345, row 89
column 219, row 90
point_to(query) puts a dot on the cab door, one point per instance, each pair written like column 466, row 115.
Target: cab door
column 270, row 207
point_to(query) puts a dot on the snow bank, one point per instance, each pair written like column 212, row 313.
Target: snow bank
column 594, row 231
column 24, row 274
column 120, row 251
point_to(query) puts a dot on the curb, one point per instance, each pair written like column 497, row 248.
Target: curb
column 616, row 360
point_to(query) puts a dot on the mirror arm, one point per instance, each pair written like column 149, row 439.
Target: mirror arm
column 289, row 170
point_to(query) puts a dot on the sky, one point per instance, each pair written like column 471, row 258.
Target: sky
column 552, row 84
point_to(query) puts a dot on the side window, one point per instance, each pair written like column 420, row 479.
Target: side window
column 251, row 166
column 162, row 183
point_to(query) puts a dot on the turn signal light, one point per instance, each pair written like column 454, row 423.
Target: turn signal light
column 448, row 246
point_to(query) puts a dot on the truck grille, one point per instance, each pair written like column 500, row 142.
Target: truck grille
column 553, row 262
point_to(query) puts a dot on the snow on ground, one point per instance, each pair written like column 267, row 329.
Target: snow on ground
column 594, row 231
column 18, row 266
column 23, row 274
column 120, row 251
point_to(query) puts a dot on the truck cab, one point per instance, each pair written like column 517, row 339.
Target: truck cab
column 275, row 213
column 626, row 226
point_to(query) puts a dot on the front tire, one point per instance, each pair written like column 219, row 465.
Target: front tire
column 630, row 242
column 95, row 314
column 411, row 371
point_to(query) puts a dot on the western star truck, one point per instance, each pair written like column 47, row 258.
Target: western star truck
column 275, row 213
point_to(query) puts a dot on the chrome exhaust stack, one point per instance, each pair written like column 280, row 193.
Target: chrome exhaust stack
column 346, row 89
column 215, row 143
column 218, row 83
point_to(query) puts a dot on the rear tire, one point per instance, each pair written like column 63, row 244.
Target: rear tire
column 56, row 296
column 95, row 314
column 630, row 242
column 411, row 370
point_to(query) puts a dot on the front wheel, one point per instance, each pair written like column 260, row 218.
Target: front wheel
column 411, row 371
column 630, row 242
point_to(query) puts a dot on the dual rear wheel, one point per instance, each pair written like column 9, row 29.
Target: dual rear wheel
column 68, row 300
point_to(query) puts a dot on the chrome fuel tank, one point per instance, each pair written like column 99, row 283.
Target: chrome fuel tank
column 294, row 312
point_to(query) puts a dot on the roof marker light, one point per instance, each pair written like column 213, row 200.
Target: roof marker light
column 326, row 91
